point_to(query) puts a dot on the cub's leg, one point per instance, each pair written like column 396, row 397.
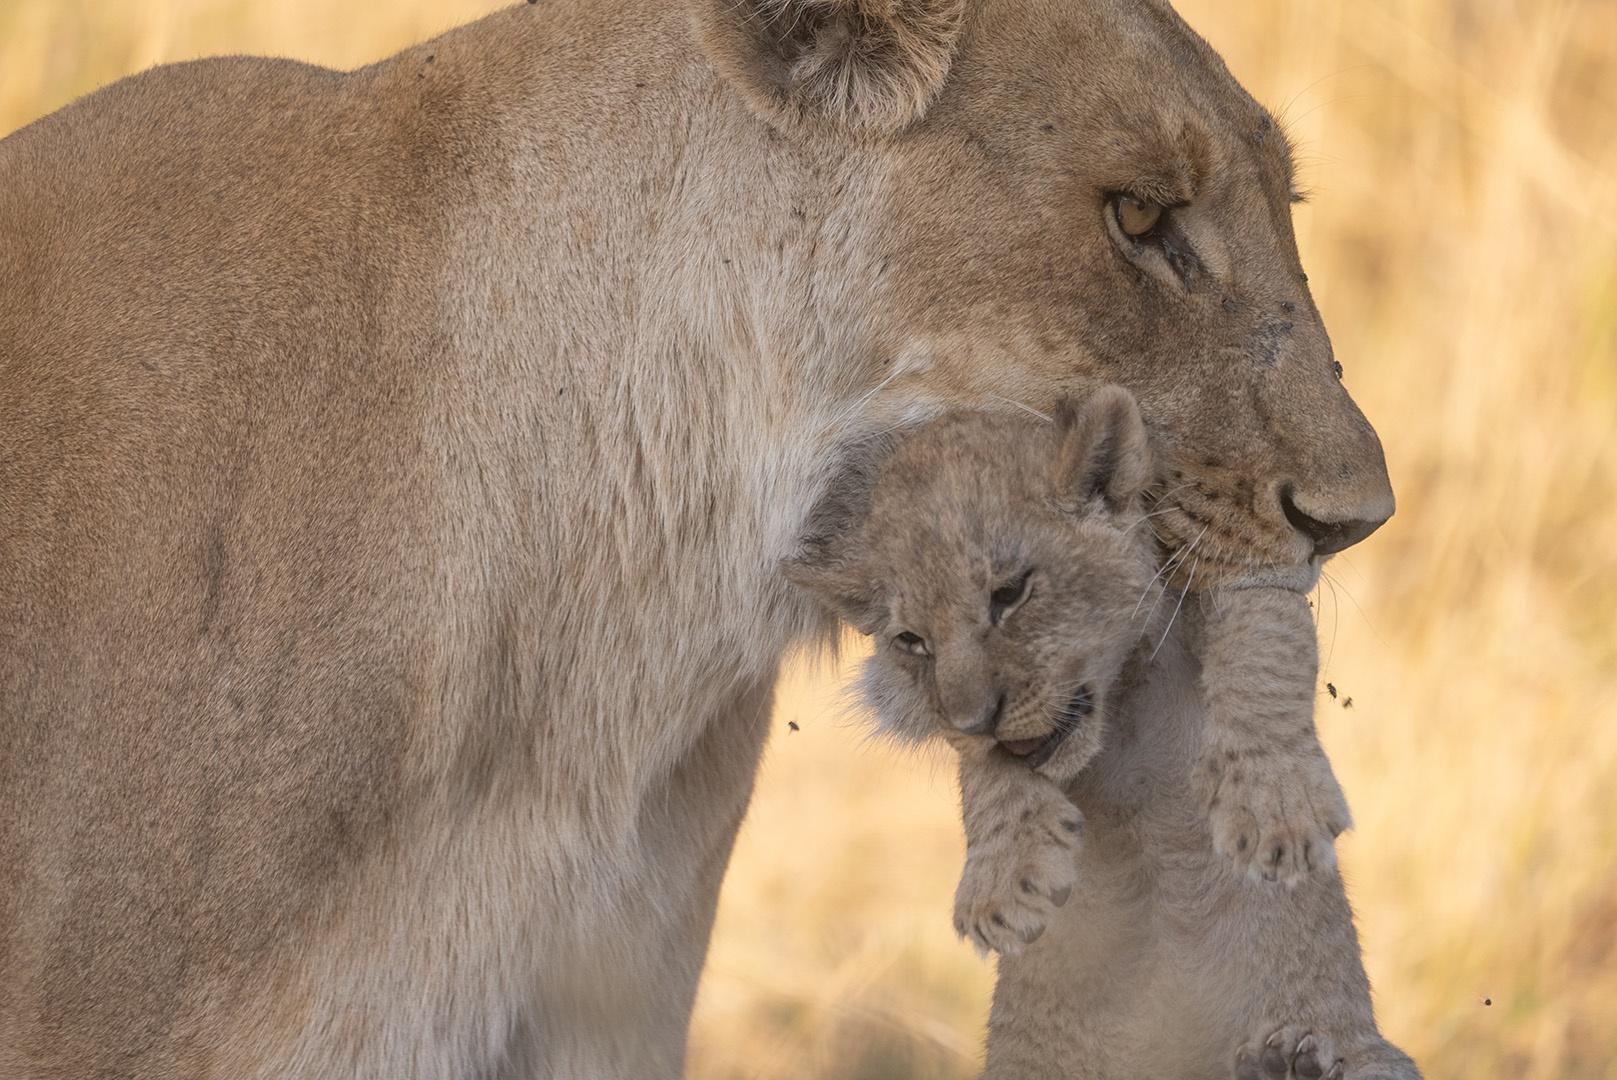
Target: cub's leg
column 1276, row 974
column 1287, row 963
column 1263, row 780
column 1163, row 964
column 1306, row 1013
column 1022, row 835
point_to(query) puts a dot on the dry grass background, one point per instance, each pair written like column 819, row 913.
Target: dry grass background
column 1463, row 244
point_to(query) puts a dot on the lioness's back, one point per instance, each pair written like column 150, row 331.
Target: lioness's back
column 213, row 391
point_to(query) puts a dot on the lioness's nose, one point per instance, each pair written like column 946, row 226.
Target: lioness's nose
column 1329, row 536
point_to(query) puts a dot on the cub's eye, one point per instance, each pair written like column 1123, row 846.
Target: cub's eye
column 1136, row 218
column 1003, row 600
column 913, row 644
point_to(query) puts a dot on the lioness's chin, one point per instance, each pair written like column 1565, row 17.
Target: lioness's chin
column 1300, row 578
column 1208, row 544
column 1196, row 568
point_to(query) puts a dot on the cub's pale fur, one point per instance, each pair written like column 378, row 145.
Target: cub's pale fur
column 1164, row 963
column 999, row 563
column 395, row 468
column 973, row 512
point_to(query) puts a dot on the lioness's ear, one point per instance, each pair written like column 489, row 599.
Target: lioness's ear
column 874, row 65
column 1104, row 451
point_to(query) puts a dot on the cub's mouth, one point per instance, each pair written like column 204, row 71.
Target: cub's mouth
column 1035, row 752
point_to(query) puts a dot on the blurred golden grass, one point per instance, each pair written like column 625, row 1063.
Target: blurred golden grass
column 1463, row 245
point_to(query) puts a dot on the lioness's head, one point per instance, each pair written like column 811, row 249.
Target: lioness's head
column 997, row 562
column 1077, row 192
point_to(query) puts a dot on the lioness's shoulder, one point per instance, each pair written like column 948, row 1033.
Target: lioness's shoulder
column 175, row 102
column 187, row 136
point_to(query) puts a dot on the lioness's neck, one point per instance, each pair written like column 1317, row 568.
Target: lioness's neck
column 658, row 330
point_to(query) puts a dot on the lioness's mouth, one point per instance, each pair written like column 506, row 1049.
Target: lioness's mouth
column 1040, row 750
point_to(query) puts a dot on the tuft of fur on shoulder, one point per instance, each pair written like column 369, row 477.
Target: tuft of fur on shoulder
column 865, row 65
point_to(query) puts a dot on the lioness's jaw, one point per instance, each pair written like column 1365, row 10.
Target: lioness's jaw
column 869, row 65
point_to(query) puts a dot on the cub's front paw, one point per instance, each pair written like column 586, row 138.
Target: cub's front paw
column 1020, row 867
column 1295, row 1053
column 1274, row 814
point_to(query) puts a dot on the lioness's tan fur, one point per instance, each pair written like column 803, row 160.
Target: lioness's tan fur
column 395, row 466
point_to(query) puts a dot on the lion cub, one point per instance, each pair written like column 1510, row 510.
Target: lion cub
column 1002, row 564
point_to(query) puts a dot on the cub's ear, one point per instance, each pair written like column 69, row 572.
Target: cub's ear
column 872, row 65
column 828, row 562
column 840, row 584
column 1104, row 451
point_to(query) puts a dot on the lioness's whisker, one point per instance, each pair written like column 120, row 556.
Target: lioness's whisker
column 1030, row 410
column 859, row 403
column 1146, row 517
column 1336, row 616
column 1164, row 568
column 1177, row 557
column 1182, row 593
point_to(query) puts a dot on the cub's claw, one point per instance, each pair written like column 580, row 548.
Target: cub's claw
column 1296, row 1053
column 1290, row 1054
column 1019, row 873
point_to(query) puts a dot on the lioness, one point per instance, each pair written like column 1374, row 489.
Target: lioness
column 396, row 465
column 1001, row 565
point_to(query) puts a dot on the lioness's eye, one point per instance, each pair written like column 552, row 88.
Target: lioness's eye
column 1137, row 218
column 1008, row 596
column 911, row 643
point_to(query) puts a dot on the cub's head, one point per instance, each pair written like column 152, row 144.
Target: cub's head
column 1000, row 564
column 1029, row 198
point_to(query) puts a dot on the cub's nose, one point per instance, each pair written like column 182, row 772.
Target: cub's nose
column 1329, row 535
column 984, row 722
